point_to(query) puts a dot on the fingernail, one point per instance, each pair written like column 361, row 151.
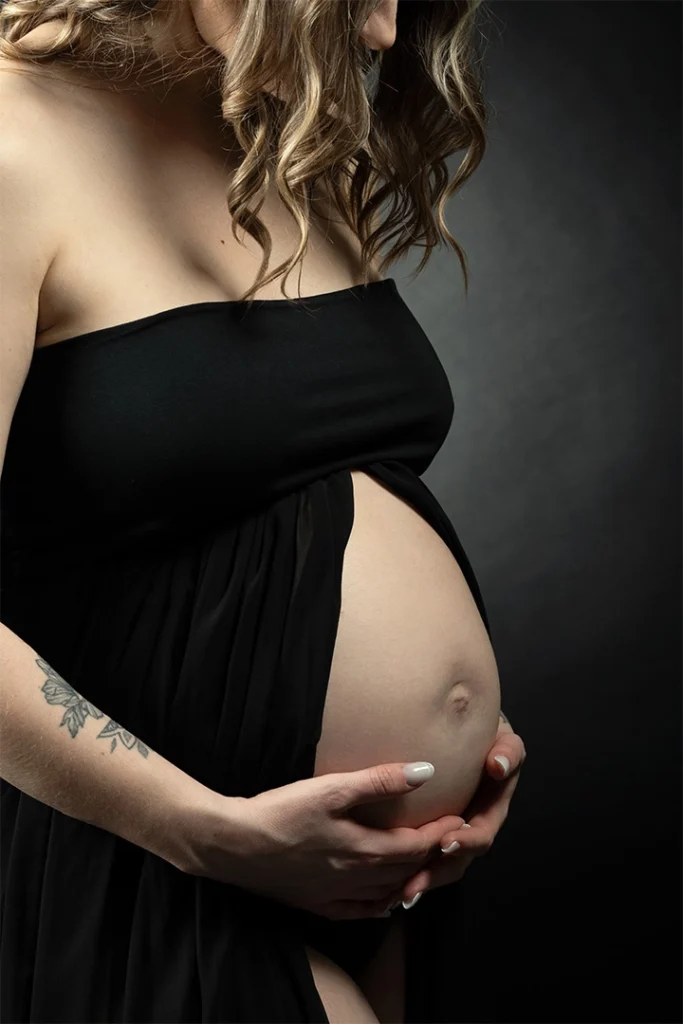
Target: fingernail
column 387, row 913
column 503, row 762
column 465, row 826
column 417, row 772
column 394, row 905
column 411, row 903
column 453, row 846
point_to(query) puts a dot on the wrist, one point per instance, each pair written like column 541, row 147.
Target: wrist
column 206, row 829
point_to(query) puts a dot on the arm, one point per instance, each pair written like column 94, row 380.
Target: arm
column 60, row 749
column 54, row 744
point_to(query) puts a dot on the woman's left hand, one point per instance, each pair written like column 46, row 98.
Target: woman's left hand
column 485, row 815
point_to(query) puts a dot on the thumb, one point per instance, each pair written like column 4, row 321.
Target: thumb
column 379, row 782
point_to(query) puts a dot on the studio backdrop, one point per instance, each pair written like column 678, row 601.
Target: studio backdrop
column 562, row 475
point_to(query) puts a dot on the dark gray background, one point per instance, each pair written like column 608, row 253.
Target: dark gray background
column 562, row 476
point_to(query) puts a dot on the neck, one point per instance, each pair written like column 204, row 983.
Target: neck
column 175, row 42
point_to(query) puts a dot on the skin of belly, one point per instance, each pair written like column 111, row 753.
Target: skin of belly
column 413, row 675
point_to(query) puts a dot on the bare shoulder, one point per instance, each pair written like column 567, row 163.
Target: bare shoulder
column 34, row 155
column 30, row 221
column 31, row 129
column 35, row 106
column 41, row 146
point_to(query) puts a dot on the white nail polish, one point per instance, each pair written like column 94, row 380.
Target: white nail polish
column 465, row 826
column 503, row 762
column 411, row 903
column 455, row 845
column 417, row 772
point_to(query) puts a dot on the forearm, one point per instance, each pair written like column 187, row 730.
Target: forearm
column 60, row 749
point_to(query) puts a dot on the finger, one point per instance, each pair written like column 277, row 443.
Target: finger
column 506, row 756
column 434, row 832
column 396, row 845
column 420, row 882
column 406, row 845
column 436, row 829
column 384, row 878
column 349, row 910
column 375, row 893
column 447, row 872
column 438, row 874
column 504, row 726
column 491, row 803
column 377, row 885
column 390, row 902
column 344, row 790
column 473, row 839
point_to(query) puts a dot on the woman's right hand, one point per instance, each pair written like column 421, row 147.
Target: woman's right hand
column 298, row 844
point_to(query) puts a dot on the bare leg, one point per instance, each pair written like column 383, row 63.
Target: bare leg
column 382, row 981
column 342, row 998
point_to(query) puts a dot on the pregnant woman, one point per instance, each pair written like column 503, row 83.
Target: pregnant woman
column 249, row 700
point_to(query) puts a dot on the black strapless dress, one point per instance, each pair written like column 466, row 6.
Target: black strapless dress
column 176, row 500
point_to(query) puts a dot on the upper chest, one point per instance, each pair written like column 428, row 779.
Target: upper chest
column 145, row 225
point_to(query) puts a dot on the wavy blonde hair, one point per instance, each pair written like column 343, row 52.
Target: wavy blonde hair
column 372, row 129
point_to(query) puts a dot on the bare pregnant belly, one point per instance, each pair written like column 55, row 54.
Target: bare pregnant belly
column 413, row 676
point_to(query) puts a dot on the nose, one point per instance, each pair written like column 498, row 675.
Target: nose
column 379, row 31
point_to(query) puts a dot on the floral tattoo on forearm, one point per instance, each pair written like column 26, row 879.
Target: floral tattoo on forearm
column 58, row 691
